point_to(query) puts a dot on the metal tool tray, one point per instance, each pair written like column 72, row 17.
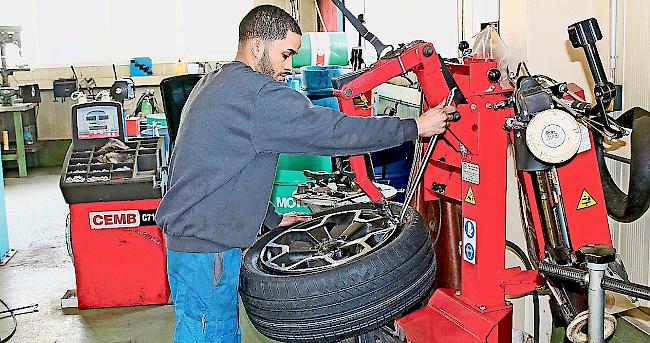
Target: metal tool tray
column 85, row 179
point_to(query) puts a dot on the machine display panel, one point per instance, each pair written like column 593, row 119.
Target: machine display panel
column 98, row 122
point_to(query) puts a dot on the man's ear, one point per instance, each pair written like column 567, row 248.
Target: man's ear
column 256, row 47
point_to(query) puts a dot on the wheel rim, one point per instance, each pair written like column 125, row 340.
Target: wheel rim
column 327, row 242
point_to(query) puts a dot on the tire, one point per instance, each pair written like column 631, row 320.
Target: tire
column 345, row 300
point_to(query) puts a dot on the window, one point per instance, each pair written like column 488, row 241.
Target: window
column 98, row 32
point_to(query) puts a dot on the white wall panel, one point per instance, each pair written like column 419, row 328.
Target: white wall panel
column 403, row 21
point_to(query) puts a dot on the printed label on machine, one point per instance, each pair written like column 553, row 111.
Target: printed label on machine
column 121, row 219
column 469, row 240
column 470, row 172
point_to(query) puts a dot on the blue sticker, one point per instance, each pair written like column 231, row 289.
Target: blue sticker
column 469, row 251
column 469, row 229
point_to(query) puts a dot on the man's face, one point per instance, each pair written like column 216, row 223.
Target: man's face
column 275, row 60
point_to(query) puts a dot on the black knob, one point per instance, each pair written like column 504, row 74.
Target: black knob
column 597, row 253
column 463, row 45
column 494, row 74
column 455, row 116
column 427, row 51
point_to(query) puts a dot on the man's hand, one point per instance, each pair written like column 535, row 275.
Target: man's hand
column 435, row 120
column 292, row 218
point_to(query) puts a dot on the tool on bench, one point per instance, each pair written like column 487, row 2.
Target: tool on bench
column 455, row 116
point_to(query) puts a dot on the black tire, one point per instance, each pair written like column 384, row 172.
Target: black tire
column 350, row 299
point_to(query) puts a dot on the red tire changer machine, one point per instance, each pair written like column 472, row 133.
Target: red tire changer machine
column 113, row 189
column 554, row 133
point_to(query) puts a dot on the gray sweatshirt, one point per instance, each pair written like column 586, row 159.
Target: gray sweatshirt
column 234, row 125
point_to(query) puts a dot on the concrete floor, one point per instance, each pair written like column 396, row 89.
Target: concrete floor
column 42, row 271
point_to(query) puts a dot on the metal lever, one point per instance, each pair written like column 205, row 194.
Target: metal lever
column 363, row 31
column 425, row 159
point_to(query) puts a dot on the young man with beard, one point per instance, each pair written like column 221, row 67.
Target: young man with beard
column 234, row 125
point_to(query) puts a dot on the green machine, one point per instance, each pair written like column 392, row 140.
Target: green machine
column 289, row 175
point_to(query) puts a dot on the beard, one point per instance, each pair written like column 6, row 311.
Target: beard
column 264, row 65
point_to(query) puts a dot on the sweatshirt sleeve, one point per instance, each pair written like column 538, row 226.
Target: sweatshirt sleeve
column 286, row 121
column 272, row 218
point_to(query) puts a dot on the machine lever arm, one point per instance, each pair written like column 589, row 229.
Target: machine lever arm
column 455, row 116
column 363, row 31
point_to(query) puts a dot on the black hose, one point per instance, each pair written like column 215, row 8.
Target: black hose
column 522, row 256
column 13, row 318
column 629, row 207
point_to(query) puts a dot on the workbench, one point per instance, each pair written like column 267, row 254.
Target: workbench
column 18, row 154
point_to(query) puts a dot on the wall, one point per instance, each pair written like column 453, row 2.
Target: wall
column 475, row 13
column 101, row 32
column 306, row 11
column 632, row 239
column 634, row 70
column 395, row 22
column 536, row 32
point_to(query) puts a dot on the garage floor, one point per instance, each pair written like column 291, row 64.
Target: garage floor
column 41, row 272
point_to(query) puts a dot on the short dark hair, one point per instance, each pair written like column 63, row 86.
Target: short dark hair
column 267, row 22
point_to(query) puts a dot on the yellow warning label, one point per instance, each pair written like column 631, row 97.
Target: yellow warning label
column 469, row 198
column 586, row 200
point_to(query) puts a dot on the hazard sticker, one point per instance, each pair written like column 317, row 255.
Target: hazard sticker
column 586, row 200
column 469, row 198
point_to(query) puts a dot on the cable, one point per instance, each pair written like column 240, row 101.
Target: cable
column 522, row 256
column 546, row 78
column 13, row 317
column 68, row 237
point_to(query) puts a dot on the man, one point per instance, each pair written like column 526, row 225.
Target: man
column 234, row 125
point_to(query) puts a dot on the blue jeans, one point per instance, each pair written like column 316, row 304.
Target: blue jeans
column 204, row 289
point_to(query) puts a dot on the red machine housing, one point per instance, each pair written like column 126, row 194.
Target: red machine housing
column 468, row 168
column 119, row 254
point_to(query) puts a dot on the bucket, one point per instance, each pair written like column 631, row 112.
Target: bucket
column 319, row 78
column 324, row 100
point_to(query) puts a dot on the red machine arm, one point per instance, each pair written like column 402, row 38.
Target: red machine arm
column 419, row 57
